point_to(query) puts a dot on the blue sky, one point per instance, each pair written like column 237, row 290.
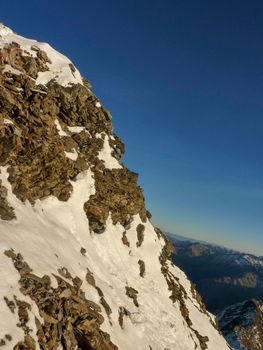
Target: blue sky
column 183, row 81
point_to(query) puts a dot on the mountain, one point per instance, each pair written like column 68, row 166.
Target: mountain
column 242, row 325
column 82, row 267
column 223, row 276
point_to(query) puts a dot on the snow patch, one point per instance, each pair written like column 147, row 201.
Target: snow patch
column 10, row 69
column 61, row 132
column 76, row 129
column 4, row 30
column 8, row 121
column 105, row 154
column 73, row 155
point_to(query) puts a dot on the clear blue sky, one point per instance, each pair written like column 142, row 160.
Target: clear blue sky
column 184, row 83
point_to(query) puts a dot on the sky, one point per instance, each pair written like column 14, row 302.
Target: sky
column 183, row 81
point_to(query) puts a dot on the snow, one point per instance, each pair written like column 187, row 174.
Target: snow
column 105, row 154
column 76, row 129
column 98, row 135
column 4, row 30
column 9, row 69
column 98, row 105
column 73, row 155
column 61, row 132
column 8, row 121
column 59, row 68
column 61, row 229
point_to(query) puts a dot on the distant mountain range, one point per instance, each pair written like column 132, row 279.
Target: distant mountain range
column 222, row 276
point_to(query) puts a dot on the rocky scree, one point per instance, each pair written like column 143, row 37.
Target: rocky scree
column 69, row 318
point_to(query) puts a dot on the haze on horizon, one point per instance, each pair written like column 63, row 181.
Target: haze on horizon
column 183, row 82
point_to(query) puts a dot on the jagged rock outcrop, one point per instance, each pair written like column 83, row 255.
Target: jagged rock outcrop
column 83, row 268
column 242, row 325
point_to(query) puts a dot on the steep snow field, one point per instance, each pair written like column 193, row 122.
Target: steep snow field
column 51, row 234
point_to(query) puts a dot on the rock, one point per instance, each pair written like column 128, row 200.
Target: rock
column 140, row 234
column 77, row 282
column 111, row 189
column 122, row 312
column 66, row 293
column 8, row 337
column 120, row 319
column 30, row 342
column 64, row 273
column 118, row 147
column 90, row 278
column 132, row 293
column 11, row 305
column 142, row 267
column 106, row 306
column 83, row 251
column 10, row 254
column 125, row 239
column 6, row 211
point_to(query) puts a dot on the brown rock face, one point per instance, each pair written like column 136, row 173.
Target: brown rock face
column 34, row 150
column 116, row 192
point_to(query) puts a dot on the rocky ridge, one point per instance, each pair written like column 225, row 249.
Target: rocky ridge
column 93, row 272
column 242, row 325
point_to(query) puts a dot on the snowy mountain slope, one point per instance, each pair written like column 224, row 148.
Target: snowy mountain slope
column 80, row 263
